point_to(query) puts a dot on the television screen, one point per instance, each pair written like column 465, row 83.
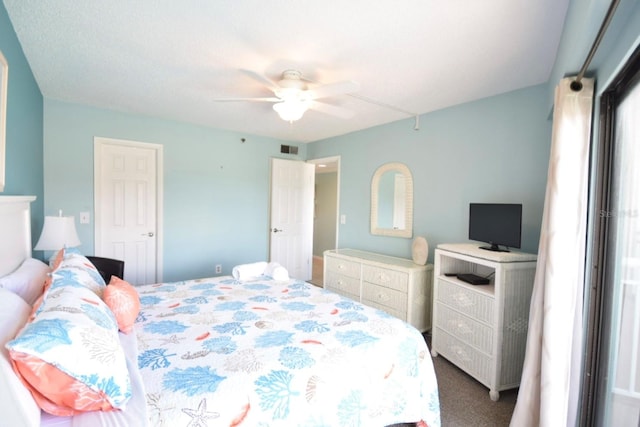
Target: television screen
column 498, row 224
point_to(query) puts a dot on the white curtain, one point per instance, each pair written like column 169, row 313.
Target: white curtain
column 549, row 388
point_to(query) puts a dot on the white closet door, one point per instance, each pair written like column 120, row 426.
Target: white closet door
column 291, row 231
column 126, row 207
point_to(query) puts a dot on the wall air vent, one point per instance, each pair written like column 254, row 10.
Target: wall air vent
column 289, row 149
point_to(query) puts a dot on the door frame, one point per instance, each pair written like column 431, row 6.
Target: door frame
column 333, row 159
column 97, row 192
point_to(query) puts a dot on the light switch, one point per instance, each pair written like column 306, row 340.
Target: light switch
column 84, row 217
column 343, row 219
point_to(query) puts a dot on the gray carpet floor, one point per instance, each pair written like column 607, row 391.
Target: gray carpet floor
column 465, row 402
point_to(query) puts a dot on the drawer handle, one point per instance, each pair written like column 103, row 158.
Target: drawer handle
column 463, row 328
column 462, row 300
column 460, row 327
column 461, row 354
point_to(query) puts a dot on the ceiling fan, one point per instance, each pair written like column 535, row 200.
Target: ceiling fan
column 293, row 98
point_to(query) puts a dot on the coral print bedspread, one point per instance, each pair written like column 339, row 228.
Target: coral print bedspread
column 219, row 352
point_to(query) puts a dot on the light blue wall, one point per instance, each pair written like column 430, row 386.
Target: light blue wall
column 620, row 41
column 492, row 150
column 216, row 188
column 582, row 23
column 509, row 134
column 23, row 175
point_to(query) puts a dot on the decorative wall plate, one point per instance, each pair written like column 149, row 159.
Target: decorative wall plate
column 420, row 250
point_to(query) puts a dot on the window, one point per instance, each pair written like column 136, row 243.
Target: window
column 611, row 393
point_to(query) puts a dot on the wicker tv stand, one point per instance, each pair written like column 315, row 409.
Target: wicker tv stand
column 483, row 328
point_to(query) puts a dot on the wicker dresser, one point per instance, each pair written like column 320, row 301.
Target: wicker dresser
column 483, row 328
column 395, row 285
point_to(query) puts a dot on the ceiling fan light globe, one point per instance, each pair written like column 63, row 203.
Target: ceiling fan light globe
column 291, row 111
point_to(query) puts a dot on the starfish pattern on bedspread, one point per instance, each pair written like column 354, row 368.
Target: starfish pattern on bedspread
column 200, row 416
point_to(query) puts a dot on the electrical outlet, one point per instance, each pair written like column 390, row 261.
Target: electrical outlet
column 218, row 268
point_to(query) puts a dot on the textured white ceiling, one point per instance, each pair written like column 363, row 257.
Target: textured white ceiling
column 171, row 59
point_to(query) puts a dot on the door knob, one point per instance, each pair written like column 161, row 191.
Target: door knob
column 150, row 234
column 275, row 230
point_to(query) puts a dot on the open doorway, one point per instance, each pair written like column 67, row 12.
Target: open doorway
column 325, row 213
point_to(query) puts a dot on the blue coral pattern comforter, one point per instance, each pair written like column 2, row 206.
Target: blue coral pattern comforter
column 218, row 352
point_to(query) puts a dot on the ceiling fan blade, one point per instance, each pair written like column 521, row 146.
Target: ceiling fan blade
column 333, row 89
column 332, row 110
column 272, row 85
column 248, row 99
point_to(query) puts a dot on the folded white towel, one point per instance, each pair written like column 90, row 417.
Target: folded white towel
column 249, row 271
column 276, row 271
column 280, row 273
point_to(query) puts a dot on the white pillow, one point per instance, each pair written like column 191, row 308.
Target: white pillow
column 18, row 406
column 27, row 280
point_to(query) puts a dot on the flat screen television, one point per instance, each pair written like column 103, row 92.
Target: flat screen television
column 499, row 224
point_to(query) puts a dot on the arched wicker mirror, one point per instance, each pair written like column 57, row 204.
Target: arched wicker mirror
column 392, row 201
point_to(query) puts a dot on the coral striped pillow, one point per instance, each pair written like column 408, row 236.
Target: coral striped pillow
column 124, row 302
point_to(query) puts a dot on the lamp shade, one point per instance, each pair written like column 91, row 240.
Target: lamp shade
column 58, row 232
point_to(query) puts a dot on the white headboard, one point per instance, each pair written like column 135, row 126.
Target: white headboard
column 15, row 231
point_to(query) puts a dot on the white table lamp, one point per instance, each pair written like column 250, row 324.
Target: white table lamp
column 58, row 232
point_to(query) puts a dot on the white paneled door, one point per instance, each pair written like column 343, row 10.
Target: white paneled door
column 291, row 231
column 126, row 206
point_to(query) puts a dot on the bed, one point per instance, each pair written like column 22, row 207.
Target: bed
column 227, row 352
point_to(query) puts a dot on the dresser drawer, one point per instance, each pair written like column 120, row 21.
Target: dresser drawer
column 387, row 297
column 395, row 313
column 473, row 304
column 393, row 279
column 343, row 293
column 394, row 285
column 342, row 284
column 464, row 356
column 462, row 327
column 342, row 267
